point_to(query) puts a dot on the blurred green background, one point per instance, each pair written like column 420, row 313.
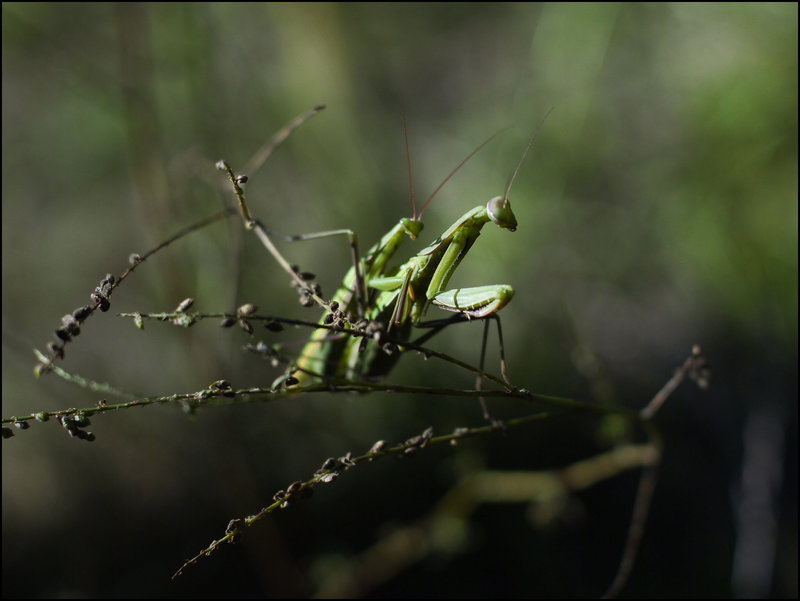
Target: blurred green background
column 657, row 210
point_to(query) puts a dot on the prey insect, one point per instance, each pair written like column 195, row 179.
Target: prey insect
column 398, row 298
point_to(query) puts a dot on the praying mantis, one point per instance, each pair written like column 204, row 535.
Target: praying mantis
column 398, row 298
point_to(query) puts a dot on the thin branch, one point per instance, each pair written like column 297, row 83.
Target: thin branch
column 332, row 468
column 695, row 367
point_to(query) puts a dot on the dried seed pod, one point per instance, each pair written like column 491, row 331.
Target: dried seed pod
column 20, row 425
column 274, row 326
column 183, row 319
column 184, row 305
column 233, row 528
column 134, row 258
column 413, row 441
column 294, row 487
column 81, row 313
column 227, row 322
column 220, row 385
column 63, row 334
column 233, row 525
column 377, row 447
column 241, row 179
column 247, row 309
column 330, row 463
column 71, row 324
column 246, row 326
column 105, row 285
column 427, row 435
column 347, row 460
column 100, row 296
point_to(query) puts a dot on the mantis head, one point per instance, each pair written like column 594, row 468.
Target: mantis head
column 499, row 211
column 412, row 227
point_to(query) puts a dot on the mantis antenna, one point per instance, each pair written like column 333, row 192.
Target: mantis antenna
column 524, row 154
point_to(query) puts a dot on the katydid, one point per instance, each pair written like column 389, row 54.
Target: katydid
column 404, row 293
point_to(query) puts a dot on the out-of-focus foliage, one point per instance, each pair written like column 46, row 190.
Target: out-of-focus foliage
column 657, row 209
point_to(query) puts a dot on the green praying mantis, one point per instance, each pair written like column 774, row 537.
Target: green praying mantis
column 391, row 301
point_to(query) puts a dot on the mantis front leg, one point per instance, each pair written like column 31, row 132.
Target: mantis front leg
column 480, row 301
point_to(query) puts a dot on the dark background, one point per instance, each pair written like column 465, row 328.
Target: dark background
column 657, row 210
